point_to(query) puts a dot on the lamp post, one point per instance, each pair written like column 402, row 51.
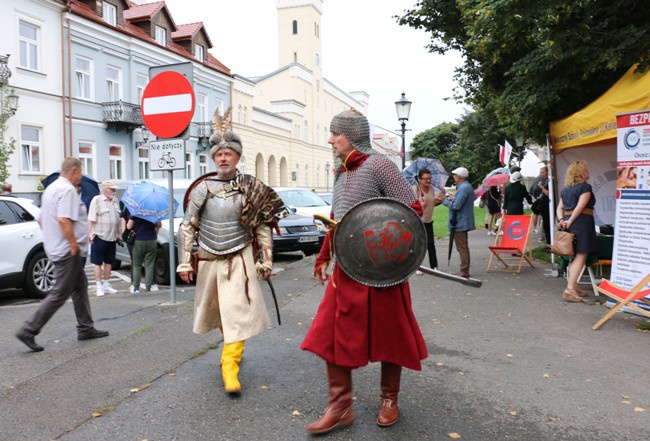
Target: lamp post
column 403, row 107
column 8, row 108
column 327, row 175
column 519, row 141
column 145, row 137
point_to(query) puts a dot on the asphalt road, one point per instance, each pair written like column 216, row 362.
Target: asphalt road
column 508, row 361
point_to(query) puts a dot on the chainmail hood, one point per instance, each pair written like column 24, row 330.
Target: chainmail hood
column 354, row 126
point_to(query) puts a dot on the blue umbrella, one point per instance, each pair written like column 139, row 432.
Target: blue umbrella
column 148, row 201
column 89, row 187
column 439, row 176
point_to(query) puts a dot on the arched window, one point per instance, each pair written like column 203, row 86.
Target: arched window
column 306, row 175
column 245, row 115
column 295, row 27
column 239, row 114
column 306, row 130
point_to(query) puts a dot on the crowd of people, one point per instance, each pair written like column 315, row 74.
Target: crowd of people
column 230, row 216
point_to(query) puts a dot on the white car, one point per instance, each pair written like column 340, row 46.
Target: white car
column 23, row 263
column 161, row 269
column 303, row 201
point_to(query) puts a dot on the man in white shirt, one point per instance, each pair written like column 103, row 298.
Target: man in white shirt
column 104, row 226
column 63, row 220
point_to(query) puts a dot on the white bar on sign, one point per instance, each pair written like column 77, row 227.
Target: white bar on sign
column 167, row 104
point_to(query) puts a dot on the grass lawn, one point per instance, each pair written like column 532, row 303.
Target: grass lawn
column 441, row 218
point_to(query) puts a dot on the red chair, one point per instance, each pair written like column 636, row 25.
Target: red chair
column 624, row 297
column 512, row 245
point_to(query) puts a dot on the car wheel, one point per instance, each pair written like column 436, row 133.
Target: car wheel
column 40, row 276
column 161, row 271
column 117, row 264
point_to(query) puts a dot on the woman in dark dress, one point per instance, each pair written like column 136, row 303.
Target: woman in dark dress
column 494, row 208
column 575, row 213
column 514, row 195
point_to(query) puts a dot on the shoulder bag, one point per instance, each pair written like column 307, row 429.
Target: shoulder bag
column 563, row 243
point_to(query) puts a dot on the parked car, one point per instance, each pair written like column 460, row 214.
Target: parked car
column 23, row 263
column 303, row 201
column 161, row 269
column 298, row 233
column 327, row 197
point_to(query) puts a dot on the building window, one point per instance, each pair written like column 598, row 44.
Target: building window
column 30, row 143
column 306, row 175
column 87, row 156
column 245, row 115
column 143, row 162
column 317, row 137
column 109, row 13
column 203, row 164
column 189, row 166
column 28, row 43
column 115, row 161
column 294, row 27
column 317, row 61
column 161, row 35
column 219, row 105
column 295, row 57
column 198, row 52
column 83, row 73
column 239, row 114
column 113, row 81
column 325, row 134
column 141, row 83
column 202, row 107
column 306, row 131
column 242, row 165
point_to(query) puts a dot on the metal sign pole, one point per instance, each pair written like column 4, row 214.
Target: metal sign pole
column 172, row 236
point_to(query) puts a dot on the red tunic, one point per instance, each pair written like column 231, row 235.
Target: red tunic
column 356, row 323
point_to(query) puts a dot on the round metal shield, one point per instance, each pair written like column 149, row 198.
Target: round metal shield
column 380, row 242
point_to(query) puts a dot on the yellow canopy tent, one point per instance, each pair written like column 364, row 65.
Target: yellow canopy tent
column 596, row 123
column 590, row 134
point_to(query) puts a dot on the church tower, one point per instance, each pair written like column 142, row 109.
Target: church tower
column 299, row 32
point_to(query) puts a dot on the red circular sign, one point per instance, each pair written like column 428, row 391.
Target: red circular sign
column 167, row 104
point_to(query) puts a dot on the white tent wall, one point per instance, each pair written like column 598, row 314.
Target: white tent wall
column 602, row 171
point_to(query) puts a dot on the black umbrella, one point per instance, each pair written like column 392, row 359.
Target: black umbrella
column 452, row 226
column 89, row 187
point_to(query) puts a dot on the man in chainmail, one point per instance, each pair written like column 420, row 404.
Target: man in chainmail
column 231, row 215
column 356, row 323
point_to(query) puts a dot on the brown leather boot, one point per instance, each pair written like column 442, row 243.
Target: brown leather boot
column 390, row 380
column 339, row 405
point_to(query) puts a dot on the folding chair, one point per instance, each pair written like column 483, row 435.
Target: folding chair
column 624, row 297
column 512, row 245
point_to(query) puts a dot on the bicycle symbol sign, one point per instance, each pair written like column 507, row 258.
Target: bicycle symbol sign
column 168, row 154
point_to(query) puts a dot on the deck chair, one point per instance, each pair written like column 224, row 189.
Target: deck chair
column 624, row 297
column 512, row 245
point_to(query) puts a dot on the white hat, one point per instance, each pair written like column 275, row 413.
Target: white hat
column 109, row 184
column 461, row 172
column 515, row 177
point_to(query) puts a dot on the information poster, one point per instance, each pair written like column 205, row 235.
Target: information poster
column 631, row 254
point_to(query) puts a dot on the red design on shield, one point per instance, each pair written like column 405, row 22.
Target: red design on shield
column 390, row 243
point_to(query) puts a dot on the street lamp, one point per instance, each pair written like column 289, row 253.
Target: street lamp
column 145, row 137
column 403, row 107
column 9, row 103
column 327, row 175
column 519, row 144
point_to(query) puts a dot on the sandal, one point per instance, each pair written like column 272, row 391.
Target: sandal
column 570, row 295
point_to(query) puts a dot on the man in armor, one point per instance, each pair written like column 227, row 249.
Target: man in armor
column 231, row 216
column 356, row 323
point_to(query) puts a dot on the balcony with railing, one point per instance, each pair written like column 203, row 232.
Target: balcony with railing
column 121, row 115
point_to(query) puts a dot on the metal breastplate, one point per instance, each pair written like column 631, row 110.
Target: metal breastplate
column 220, row 227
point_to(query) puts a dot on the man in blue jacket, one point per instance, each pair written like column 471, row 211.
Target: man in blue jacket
column 461, row 216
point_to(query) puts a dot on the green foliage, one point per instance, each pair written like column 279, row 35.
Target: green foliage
column 6, row 148
column 534, row 62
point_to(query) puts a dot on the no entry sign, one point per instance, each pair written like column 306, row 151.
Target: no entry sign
column 168, row 104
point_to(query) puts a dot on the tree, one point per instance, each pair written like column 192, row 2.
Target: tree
column 6, row 148
column 439, row 142
column 533, row 62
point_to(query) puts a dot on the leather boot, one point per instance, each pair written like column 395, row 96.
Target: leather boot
column 339, row 405
column 390, row 381
column 230, row 358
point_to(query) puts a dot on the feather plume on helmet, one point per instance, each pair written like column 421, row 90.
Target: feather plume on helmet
column 223, row 136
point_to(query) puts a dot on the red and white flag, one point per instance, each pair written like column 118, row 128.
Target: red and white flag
column 507, row 151
column 502, row 151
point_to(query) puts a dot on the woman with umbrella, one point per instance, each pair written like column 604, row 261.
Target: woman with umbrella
column 428, row 200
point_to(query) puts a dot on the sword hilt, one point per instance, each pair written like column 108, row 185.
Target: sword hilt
column 326, row 220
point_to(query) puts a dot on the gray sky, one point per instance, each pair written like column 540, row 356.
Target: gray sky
column 363, row 49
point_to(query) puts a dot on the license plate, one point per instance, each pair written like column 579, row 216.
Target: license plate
column 308, row 239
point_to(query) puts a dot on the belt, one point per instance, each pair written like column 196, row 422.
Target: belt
column 587, row 211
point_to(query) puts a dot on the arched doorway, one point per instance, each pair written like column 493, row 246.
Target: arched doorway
column 273, row 173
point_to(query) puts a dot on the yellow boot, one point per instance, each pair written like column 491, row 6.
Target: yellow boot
column 230, row 358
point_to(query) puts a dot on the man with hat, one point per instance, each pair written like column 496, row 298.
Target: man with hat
column 357, row 323
column 104, row 226
column 231, row 215
column 461, row 216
